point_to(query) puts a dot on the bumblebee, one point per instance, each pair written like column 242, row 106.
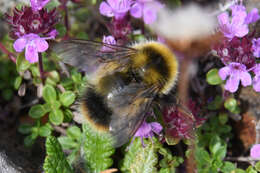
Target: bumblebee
column 123, row 82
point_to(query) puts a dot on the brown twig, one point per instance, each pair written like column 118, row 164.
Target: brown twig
column 59, row 129
column 41, row 68
column 109, row 170
column 243, row 159
column 10, row 54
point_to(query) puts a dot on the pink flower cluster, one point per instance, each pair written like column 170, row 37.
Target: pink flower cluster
column 239, row 50
column 146, row 9
column 179, row 124
column 31, row 27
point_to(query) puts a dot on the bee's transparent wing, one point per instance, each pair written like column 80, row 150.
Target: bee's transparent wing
column 89, row 55
column 130, row 106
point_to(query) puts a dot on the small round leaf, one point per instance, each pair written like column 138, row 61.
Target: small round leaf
column 45, row 130
column 213, row 77
column 67, row 98
column 49, row 94
column 37, row 111
column 56, row 116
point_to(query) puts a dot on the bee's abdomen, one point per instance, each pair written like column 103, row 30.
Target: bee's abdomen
column 95, row 109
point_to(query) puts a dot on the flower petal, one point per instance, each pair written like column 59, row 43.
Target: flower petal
column 150, row 15
column 256, row 47
column 41, row 44
column 240, row 30
column 255, row 151
column 223, row 18
column 38, row 4
column 245, row 78
column 224, row 72
column 156, row 127
column 256, row 83
column 53, row 33
column 252, row 16
column 143, row 130
column 19, row 44
column 136, row 10
column 31, row 53
column 106, row 10
column 232, row 83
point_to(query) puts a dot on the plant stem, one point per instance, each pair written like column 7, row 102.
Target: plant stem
column 10, row 54
column 41, row 67
column 66, row 19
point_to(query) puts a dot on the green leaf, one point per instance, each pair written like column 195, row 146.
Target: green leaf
column 21, row 63
column 213, row 78
column 54, row 75
column 55, row 161
column 223, row 118
column 250, row 169
column 97, row 149
column 52, row 4
column 17, row 82
column 215, row 144
column 50, row 81
column 61, row 29
column 221, row 152
column 68, row 143
column 165, row 170
column 67, row 115
column 202, row 157
column 55, row 105
column 230, row 104
column 56, row 116
column 228, row 167
column 139, row 158
column 37, row 111
column 67, row 98
column 49, row 94
column 25, row 128
column 47, row 107
column 74, row 132
column 257, row 166
column 35, row 71
column 45, row 130
column 239, row 171
column 76, row 77
column 29, row 140
column 215, row 104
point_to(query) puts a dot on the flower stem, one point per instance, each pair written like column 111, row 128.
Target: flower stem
column 41, row 67
column 10, row 54
column 66, row 20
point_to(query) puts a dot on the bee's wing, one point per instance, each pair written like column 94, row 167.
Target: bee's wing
column 89, row 55
column 130, row 107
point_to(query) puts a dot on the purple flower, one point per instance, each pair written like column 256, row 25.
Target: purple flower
column 256, row 79
column 38, row 4
column 32, row 43
column 255, row 151
column 26, row 21
column 237, row 50
column 236, row 72
column 239, row 22
column 179, row 124
column 53, row 34
column 147, row 9
column 256, row 47
column 147, row 130
column 252, row 16
column 115, row 8
column 236, row 27
column 108, row 40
